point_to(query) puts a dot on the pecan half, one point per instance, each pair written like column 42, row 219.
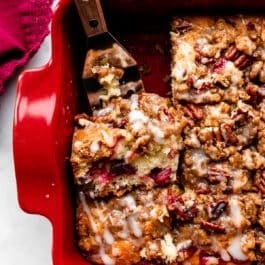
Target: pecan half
column 193, row 111
column 217, row 174
column 212, row 227
column 260, row 180
column 228, row 134
column 181, row 212
column 203, row 188
column 216, row 209
column 181, row 25
column 242, row 61
column 231, row 53
column 252, row 91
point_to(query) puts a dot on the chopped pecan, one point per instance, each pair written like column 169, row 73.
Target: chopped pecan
column 228, row 134
column 255, row 69
column 204, row 87
column 231, row 53
column 176, row 205
column 181, row 25
column 203, row 188
column 193, row 111
column 260, row 259
column 250, row 26
column 212, row 227
column 242, row 61
column 186, row 253
column 216, row 209
column 260, row 180
column 217, row 174
column 252, row 91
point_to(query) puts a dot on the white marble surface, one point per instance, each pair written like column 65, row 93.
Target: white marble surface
column 24, row 239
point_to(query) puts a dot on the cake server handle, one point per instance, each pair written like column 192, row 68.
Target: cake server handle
column 92, row 17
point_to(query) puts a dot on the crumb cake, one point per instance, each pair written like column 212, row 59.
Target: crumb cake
column 107, row 69
column 168, row 225
column 181, row 183
column 132, row 142
column 222, row 129
column 216, row 59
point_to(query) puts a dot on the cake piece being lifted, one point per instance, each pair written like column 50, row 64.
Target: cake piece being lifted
column 217, row 59
column 129, row 143
column 110, row 73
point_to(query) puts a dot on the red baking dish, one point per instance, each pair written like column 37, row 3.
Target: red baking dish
column 48, row 98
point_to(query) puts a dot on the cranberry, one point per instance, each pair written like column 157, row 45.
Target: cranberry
column 250, row 26
column 118, row 168
column 218, row 65
column 190, row 82
column 101, row 172
column 161, row 175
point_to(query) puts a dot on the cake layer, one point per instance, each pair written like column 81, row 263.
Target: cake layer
column 132, row 142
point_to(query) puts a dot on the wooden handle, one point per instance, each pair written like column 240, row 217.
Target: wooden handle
column 92, row 17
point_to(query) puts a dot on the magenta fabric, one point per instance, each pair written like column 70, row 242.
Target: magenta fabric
column 23, row 26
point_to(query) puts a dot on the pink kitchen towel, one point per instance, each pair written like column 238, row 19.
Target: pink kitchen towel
column 23, row 26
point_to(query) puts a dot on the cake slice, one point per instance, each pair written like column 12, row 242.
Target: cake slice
column 122, row 230
column 129, row 143
column 222, row 129
column 215, row 59
column 110, row 73
column 171, row 226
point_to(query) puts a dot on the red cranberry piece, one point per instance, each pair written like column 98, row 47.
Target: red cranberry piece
column 204, row 87
column 190, row 82
column 118, row 168
column 100, row 172
column 218, row 65
column 161, row 175
column 250, row 26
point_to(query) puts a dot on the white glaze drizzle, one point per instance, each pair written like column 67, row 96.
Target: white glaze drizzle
column 235, row 250
column 129, row 201
column 108, row 237
column 94, row 147
column 134, row 226
column 88, row 212
column 107, row 138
